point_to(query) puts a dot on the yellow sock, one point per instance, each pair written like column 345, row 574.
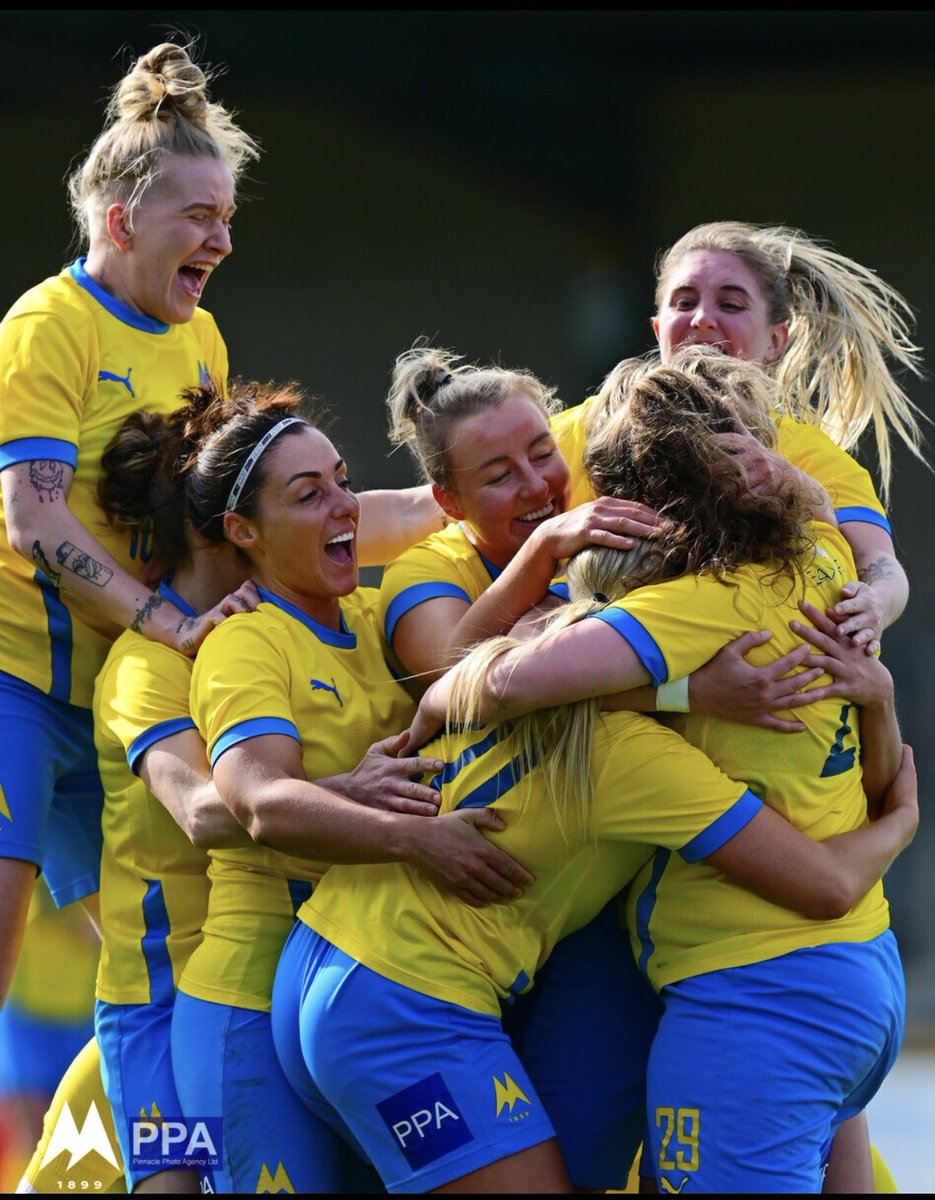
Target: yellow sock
column 883, row 1181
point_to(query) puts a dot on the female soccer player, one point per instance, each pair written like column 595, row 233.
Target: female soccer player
column 290, row 705
column 119, row 330
column 481, row 437
column 835, row 336
column 832, row 334
column 161, row 812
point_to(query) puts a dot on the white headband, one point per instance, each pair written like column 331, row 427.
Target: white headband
column 252, row 458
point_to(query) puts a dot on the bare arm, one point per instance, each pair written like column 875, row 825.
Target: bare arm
column 392, row 520
column 176, row 771
column 822, row 880
column 43, row 530
column 877, row 598
column 588, row 658
column 730, row 687
column 525, row 580
column 433, row 636
column 424, row 636
column 263, row 784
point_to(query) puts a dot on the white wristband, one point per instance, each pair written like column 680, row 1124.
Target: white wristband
column 672, row 696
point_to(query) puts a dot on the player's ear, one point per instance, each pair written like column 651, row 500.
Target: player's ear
column 447, row 501
column 241, row 532
column 119, row 226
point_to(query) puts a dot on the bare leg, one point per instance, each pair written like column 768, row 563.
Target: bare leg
column 850, row 1167
column 538, row 1169
column 17, row 879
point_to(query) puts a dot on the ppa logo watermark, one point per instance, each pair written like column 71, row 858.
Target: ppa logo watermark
column 183, row 1142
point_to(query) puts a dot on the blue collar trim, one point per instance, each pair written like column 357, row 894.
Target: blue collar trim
column 115, row 307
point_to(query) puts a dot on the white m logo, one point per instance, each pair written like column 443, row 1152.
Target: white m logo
column 79, row 1142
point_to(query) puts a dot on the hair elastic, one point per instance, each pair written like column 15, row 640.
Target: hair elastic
column 253, row 457
column 600, row 598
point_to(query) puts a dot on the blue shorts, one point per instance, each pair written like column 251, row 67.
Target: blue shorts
column 429, row 1090
column 50, row 791
column 136, row 1070
column 36, row 1052
column 753, row 1068
column 225, row 1066
column 583, row 1034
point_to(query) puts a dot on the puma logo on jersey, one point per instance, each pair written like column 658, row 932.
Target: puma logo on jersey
column 103, row 376
column 319, row 686
column 667, row 1187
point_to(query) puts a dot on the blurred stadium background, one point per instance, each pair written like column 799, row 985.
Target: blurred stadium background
column 501, row 182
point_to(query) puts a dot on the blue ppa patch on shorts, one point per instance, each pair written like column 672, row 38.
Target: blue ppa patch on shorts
column 424, row 1121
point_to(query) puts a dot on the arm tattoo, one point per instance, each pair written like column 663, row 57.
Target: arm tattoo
column 83, row 565
column 48, row 478
column 880, row 568
column 39, row 558
column 187, row 643
column 155, row 601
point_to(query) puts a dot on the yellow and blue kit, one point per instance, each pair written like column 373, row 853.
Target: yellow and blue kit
column 271, row 671
column 154, row 883
column 727, row 962
column 154, row 886
column 74, row 362
column 848, row 484
column 403, row 945
column 445, row 564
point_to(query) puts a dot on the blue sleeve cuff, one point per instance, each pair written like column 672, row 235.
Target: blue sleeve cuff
column 32, row 449
column 256, row 727
column 156, row 733
column 639, row 639
column 412, row 597
column 739, row 814
column 858, row 512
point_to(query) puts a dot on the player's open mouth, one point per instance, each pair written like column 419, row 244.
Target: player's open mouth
column 341, row 548
column 539, row 514
column 194, row 276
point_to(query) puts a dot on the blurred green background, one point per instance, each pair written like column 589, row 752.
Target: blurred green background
column 501, row 182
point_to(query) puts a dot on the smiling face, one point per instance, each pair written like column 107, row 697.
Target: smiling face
column 157, row 258
column 302, row 542
column 712, row 297
column 505, row 476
